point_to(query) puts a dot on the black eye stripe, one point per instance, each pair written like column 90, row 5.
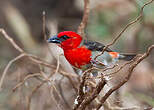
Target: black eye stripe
column 63, row 38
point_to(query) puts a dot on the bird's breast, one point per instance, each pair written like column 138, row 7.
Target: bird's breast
column 78, row 57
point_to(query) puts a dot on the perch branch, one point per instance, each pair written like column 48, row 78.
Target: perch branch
column 80, row 90
column 131, row 68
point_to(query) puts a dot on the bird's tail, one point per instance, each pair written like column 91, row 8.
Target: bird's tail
column 122, row 56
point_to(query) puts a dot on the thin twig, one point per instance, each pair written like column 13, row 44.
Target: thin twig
column 11, row 40
column 121, row 67
column 62, row 92
column 58, row 64
column 33, row 91
column 44, row 26
column 7, row 67
column 60, row 102
column 84, row 21
column 71, row 80
column 22, row 82
column 52, row 96
column 51, row 84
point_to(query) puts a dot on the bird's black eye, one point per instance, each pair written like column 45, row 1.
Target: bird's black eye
column 63, row 38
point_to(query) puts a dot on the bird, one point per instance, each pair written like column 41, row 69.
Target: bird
column 81, row 53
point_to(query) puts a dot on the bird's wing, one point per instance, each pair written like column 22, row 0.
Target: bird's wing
column 95, row 46
column 108, row 57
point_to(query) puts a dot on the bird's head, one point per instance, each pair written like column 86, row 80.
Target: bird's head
column 66, row 40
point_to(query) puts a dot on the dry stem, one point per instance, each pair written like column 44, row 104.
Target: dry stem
column 84, row 21
column 27, row 77
column 11, row 41
column 7, row 67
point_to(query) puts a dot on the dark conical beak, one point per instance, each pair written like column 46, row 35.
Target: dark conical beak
column 54, row 39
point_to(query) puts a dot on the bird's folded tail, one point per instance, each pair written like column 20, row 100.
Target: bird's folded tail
column 122, row 56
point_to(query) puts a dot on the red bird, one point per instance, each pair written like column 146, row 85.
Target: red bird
column 81, row 53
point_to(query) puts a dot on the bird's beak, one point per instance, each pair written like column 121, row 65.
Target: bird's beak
column 54, row 39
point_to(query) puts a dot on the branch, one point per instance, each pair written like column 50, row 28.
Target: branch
column 80, row 96
column 44, row 26
column 84, row 21
column 121, row 67
column 22, row 82
column 131, row 68
column 33, row 91
column 89, row 99
column 7, row 67
column 11, row 40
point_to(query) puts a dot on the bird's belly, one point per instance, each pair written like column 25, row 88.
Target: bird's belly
column 78, row 57
column 104, row 58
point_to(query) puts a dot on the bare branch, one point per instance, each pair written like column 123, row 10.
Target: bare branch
column 96, row 92
column 7, row 67
column 11, row 40
column 84, row 21
column 27, row 77
column 121, row 67
column 33, row 91
column 69, row 76
column 131, row 68
column 44, row 26
column 80, row 96
column 58, row 64
column 52, row 96
column 82, row 103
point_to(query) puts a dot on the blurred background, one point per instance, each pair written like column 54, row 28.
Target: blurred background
column 22, row 20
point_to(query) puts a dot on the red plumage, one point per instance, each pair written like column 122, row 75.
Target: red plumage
column 78, row 57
